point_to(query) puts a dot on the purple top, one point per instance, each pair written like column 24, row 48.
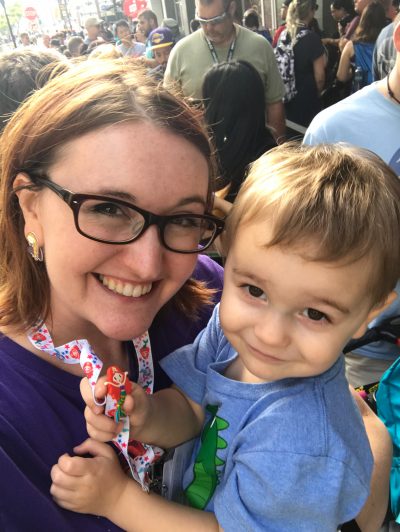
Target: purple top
column 41, row 418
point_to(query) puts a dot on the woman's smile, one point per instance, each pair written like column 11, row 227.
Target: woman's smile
column 125, row 288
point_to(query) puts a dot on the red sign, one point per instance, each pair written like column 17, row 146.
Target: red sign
column 30, row 13
column 133, row 7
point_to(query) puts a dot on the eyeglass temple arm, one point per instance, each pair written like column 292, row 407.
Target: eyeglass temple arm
column 66, row 195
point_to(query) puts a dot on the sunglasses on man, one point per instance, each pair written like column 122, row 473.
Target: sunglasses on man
column 214, row 20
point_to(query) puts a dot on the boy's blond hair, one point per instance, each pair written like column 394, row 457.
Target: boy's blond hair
column 343, row 200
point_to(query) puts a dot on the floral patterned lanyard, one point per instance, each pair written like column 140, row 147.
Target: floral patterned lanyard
column 139, row 456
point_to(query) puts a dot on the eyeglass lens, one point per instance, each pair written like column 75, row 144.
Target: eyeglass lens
column 111, row 222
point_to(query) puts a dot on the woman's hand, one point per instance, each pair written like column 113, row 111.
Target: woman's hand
column 89, row 485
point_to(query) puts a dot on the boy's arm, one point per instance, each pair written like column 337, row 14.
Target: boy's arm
column 98, row 486
column 167, row 418
column 138, row 511
column 172, row 419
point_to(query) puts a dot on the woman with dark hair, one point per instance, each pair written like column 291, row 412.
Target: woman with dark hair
column 342, row 12
column 356, row 59
column 234, row 102
column 22, row 71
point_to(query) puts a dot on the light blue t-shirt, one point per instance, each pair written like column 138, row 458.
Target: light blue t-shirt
column 137, row 49
column 369, row 120
column 289, row 455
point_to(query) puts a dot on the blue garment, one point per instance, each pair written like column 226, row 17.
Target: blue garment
column 363, row 60
column 384, row 56
column 352, row 120
column 137, row 49
column 149, row 49
column 388, row 405
column 265, row 33
column 291, row 455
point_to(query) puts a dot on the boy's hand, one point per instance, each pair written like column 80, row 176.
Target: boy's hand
column 99, row 426
column 88, row 485
column 102, row 428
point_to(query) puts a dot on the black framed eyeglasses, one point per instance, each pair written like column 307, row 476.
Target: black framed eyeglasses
column 115, row 221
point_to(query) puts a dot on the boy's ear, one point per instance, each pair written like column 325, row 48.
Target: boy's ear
column 374, row 313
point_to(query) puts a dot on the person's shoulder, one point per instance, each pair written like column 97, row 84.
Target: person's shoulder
column 324, row 126
column 291, row 413
column 386, row 33
column 186, row 42
column 251, row 37
column 307, row 39
column 320, row 128
column 310, row 36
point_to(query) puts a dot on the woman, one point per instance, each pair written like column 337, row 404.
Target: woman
column 98, row 130
column 342, row 12
column 279, row 29
column 356, row 59
column 309, row 63
column 234, row 102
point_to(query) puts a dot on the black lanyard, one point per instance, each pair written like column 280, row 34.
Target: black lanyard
column 214, row 53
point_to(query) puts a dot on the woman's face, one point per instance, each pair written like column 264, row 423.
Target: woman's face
column 337, row 13
column 140, row 163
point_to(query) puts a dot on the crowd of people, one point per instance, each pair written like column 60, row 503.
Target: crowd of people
column 142, row 385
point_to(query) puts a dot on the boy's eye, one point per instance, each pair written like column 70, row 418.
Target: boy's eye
column 313, row 314
column 254, row 291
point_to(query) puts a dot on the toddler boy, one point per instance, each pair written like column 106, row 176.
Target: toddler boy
column 312, row 258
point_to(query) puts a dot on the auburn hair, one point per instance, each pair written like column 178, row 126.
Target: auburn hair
column 88, row 96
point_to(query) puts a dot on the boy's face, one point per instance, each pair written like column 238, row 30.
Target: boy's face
column 161, row 54
column 287, row 316
column 124, row 35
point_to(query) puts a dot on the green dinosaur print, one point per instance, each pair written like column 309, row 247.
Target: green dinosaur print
column 205, row 480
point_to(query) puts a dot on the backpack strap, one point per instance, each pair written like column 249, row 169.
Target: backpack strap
column 300, row 34
column 387, row 331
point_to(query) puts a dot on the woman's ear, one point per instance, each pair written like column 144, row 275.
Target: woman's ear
column 374, row 312
column 28, row 202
